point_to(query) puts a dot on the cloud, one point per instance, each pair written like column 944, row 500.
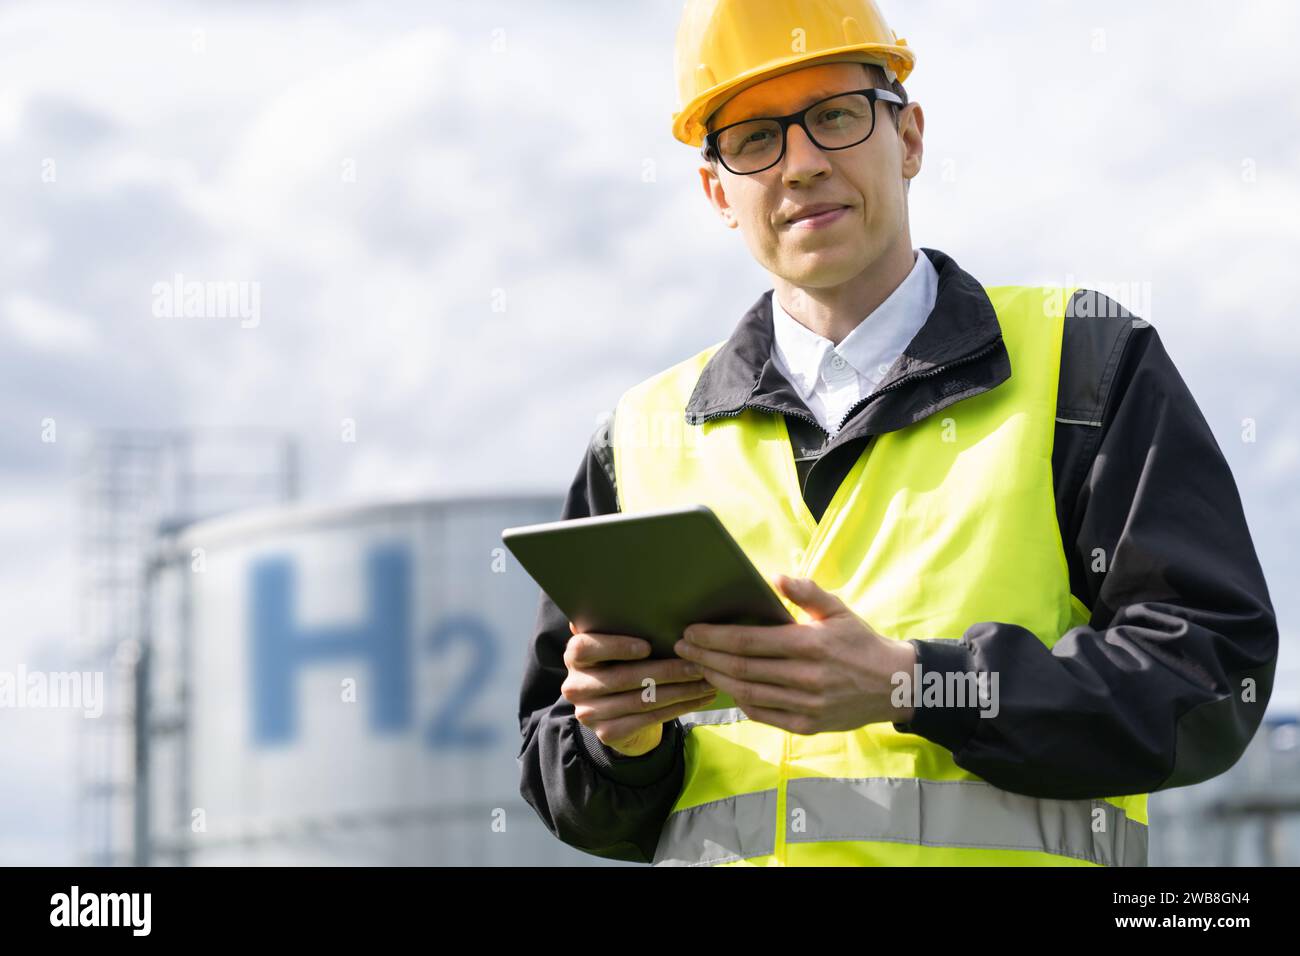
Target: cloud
column 47, row 328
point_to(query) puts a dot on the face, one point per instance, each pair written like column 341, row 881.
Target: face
column 869, row 179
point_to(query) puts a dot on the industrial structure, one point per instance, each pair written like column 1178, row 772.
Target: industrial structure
column 132, row 485
column 347, row 681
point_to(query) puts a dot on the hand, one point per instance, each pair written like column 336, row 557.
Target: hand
column 831, row 674
column 612, row 699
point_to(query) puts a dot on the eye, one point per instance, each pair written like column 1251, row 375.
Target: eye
column 833, row 117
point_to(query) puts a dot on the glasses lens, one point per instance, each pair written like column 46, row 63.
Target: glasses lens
column 750, row 146
column 840, row 122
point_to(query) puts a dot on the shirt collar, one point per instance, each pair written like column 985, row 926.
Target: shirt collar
column 742, row 371
column 877, row 340
column 798, row 348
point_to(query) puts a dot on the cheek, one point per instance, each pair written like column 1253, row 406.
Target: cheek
column 758, row 219
column 756, row 223
column 881, row 203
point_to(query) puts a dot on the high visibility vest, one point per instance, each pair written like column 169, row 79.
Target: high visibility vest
column 943, row 524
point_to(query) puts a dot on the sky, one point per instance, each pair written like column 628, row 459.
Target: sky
column 469, row 230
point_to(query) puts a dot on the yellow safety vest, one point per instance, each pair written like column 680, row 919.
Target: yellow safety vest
column 943, row 524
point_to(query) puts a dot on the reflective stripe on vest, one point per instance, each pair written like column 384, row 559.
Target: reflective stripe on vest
column 929, row 813
column 724, row 715
column 938, row 526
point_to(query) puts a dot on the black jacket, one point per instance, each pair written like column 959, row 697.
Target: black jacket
column 1154, row 693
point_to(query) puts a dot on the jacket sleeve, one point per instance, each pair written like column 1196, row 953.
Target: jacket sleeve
column 1167, row 683
column 588, row 795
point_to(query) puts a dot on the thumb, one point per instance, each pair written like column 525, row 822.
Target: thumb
column 811, row 596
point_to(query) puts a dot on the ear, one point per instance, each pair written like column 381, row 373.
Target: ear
column 716, row 193
column 911, row 131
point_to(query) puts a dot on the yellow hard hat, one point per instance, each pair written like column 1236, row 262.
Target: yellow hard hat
column 725, row 46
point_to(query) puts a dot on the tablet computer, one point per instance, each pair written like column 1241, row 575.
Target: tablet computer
column 648, row 574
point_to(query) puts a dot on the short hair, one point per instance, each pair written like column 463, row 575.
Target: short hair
column 879, row 81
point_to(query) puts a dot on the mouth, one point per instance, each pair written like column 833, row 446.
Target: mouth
column 821, row 217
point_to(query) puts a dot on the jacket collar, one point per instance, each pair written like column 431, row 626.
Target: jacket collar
column 961, row 329
column 801, row 353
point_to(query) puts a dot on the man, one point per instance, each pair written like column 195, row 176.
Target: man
column 1025, row 591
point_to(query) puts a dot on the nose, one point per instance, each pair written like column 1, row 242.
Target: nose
column 803, row 161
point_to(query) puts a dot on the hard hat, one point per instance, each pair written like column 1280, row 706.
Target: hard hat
column 725, row 46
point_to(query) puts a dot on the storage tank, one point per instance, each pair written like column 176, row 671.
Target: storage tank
column 340, row 686
column 1247, row 816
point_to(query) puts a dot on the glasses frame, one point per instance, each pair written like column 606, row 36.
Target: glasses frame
column 797, row 118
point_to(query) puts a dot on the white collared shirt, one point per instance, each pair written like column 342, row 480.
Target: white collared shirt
column 832, row 379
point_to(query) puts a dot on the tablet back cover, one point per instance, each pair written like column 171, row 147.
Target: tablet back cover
column 648, row 575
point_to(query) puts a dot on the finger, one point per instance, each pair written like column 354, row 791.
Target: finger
column 811, row 596
column 786, row 672
column 614, row 706
column 784, row 719
column 773, row 640
column 611, row 678
column 772, row 696
column 572, row 629
column 623, row 727
column 587, row 648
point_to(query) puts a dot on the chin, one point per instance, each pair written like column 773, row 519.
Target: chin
column 818, row 272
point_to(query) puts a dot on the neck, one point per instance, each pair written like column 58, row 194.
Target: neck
column 835, row 311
